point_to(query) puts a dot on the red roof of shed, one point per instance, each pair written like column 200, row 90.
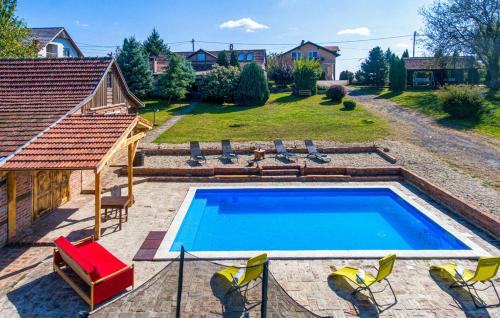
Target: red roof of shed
column 76, row 142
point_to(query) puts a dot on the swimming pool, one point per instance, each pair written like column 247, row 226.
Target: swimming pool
column 308, row 222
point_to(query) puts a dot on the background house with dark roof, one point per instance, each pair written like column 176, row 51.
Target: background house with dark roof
column 55, row 42
column 203, row 60
column 433, row 71
column 326, row 55
column 58, row 118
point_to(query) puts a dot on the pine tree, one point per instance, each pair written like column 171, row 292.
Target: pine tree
column 252, row 89
column 405, row 54
column 134, row 64
column 179, row 75
column 233, row 60
column 15, row 37
column 222, row 59
column 154, row 45
column 397, row 75
column 375, row 68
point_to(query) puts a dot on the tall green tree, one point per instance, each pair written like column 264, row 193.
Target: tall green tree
column 252, row 89
column 179, row 75
column 154, row 45
column 222, row 59
column 280, row 69
column 375, row 68
column 469, row 27
column 405, row 54
column 397, row 75
column 233, row 59
column 15, row 37
column 134, row 64
column 346, row 76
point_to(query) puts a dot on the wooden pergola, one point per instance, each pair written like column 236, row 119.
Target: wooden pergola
column 78, row 143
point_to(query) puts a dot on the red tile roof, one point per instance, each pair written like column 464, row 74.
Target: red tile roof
column 439, row 63
column 34, row 93
column 76, row 142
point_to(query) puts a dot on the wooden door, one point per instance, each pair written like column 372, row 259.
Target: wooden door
column 50, row 190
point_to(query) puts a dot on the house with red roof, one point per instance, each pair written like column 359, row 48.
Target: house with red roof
column 61, row 121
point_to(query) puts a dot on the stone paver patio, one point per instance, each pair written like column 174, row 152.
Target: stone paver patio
column 29, row 288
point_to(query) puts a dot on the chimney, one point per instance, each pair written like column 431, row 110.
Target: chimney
column 231, row 47
column 302, row 42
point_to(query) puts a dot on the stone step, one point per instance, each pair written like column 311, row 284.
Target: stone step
column 281, row 172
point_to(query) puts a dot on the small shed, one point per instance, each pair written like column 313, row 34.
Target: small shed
column 438, row 71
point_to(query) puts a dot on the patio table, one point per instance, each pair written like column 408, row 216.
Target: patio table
column 118, row 203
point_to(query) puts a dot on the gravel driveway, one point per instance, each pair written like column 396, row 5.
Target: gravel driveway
column 478, row 155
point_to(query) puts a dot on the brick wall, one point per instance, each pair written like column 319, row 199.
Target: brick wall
column 24, row 206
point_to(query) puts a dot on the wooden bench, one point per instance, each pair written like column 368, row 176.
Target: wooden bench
column 304, row 92
column 103, row 273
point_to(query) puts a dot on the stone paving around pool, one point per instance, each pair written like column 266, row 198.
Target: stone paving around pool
column 29, row 288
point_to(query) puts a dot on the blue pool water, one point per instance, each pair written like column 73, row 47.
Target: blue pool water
column 284, row 219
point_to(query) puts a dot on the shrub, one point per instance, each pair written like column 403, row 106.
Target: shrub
column 219, row 84
column 346, row 76
column 252, row 89
column 336, row 92
column 280, row 69
column 306, row 73
column 222, row 59
column 397, row 75
column 233, row 59
column 461, row 101
column 349, row 104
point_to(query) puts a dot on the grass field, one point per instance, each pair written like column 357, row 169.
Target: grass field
column 427, row 102
column 165, row 110
column 284, row 116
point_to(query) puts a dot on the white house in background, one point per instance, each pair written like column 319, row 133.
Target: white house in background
column 55, row 42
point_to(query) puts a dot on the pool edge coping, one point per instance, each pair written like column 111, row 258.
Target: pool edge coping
column 164, row 253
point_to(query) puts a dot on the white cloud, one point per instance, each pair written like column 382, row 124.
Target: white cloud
column 81, row 24
column 359, row 31
column 248, row 24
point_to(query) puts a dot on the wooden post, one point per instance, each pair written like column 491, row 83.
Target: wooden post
column 97, row 230
column 130, row 173
column 11, row 204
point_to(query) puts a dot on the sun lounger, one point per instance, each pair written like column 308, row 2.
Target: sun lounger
column 487, row 268
column 364, row 280
column 227, row 151
column 240, row 278
column 282, row 152
column 312, row 152
column 196, row 155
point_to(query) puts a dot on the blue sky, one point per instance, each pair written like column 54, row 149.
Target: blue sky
column 97, row 26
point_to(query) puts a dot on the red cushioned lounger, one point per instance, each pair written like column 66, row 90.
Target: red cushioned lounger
column 105, row 274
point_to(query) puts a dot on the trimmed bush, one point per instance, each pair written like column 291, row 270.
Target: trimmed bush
column 349, row 104
column 219, row 84
column 306, row 73
column 461, row 101
column 252, row 89
column 336, row 92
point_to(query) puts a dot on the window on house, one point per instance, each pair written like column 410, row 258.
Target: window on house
column 249, row 56
column 241, row 56
column 66, row 52
column 296, row 55
column 313, row 54
column 51, row 50
column 201, row 57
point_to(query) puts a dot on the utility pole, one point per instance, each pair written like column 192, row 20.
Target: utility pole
column 192, row 44
column 414, row 40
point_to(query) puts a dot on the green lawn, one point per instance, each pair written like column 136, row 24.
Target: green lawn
column 165, row 110
column 427, row 102
column 284, row 116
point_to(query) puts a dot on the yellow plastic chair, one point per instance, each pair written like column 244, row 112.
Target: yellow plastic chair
column 386, row 265
column 487, row 269
column 242, row 277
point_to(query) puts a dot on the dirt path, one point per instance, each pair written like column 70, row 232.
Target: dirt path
column 478, row 155
column 152, row 135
